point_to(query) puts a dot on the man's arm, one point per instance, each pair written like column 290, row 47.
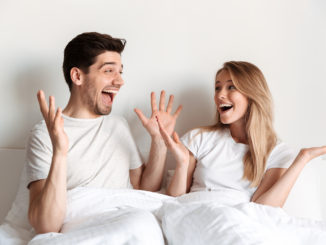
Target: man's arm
column 152, row 173
column 47, row 207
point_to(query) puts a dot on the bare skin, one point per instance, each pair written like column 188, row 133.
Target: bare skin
column 48, row 197
column 276, row 183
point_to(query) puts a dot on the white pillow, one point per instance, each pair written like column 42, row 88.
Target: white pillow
column 16, row 226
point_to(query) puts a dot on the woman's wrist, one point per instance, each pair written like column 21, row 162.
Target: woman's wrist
column 182, row 165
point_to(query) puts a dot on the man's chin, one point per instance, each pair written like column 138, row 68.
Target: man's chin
column 103, row 111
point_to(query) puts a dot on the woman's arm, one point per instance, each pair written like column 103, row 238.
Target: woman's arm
column 277, row 183
column 182, row 178
column 185, row 163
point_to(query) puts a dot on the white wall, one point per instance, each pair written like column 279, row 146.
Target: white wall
column 173, row 45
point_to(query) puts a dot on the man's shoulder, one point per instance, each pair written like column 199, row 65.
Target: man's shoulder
column 39, row 128
column 39, row 135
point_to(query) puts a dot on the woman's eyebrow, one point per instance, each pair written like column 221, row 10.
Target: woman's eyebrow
column 228, row 81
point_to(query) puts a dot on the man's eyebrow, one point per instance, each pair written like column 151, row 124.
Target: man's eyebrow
column 228, row 81
column 109, row 63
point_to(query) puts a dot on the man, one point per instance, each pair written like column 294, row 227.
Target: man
column 81, row 146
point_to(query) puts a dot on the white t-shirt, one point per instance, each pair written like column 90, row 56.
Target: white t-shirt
column 101, row 152
column 220, row 161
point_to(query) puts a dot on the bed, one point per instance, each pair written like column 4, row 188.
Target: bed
column 170, row 220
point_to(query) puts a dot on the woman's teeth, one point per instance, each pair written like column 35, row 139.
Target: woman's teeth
column 225, row 107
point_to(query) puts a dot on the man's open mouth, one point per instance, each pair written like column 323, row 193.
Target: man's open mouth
column 108, row 95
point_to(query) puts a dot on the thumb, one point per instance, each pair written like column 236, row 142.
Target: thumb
column 176, row 138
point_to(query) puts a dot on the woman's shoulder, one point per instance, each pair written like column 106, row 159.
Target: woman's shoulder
column 204, row 134
column 281, row 156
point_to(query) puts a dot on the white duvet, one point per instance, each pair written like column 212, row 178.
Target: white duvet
column 214, row 218
column 99, row 216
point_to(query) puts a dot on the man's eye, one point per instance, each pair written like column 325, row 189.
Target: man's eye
column 108, row 70
column 121, row 72
column 217, row 88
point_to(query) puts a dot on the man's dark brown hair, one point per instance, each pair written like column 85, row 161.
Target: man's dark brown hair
column 81, row 51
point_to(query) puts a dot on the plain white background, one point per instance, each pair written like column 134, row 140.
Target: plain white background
column 177, row 46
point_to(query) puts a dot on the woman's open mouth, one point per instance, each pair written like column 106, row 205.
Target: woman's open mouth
column 225, row 107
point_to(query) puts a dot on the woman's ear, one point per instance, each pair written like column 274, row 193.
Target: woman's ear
column 76, row 76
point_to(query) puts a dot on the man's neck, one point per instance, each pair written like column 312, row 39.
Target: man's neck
column 76, row 109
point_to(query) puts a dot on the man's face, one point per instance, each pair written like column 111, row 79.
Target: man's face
column 102, row 83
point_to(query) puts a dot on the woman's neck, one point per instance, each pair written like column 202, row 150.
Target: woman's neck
column 238, row 131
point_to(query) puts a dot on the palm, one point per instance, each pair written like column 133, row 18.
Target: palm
column 313, row 152
column 167, row 119
column 54, row 123
column 180, row 152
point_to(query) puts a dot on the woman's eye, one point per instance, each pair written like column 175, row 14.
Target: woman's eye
column 217, row 88
column 231, row 87
column 109, row 70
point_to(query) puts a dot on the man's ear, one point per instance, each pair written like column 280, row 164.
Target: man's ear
column 77, row 76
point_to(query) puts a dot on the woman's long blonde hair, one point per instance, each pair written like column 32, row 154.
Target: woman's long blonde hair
column 261, row 137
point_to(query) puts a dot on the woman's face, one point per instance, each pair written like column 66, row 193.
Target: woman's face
column 231, row 104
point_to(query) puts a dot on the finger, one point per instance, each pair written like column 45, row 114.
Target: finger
column 141, row 116
column 51, row 108
column 166, row 137
column 170, row 103
column 153, row 102
column 162, row 100
column 42, row 103
column 176, row 138
column 58, row 117
column 321, row 150
column 177, row 112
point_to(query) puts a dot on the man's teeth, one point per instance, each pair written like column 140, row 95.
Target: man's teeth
column 110, row 91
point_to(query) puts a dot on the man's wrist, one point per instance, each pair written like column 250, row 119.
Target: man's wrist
column 158, row 139
column 59, row 153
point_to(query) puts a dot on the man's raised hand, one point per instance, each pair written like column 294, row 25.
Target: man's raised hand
column 54, row 123
column 167, row 119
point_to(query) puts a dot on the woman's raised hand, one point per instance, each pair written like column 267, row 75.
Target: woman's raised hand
column 54, row 123
column 180, row 152
column 307, row 154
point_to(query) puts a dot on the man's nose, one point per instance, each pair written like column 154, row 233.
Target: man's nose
column 118, row 80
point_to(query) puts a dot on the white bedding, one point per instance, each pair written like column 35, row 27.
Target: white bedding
column 187, row 220
column 99, row 216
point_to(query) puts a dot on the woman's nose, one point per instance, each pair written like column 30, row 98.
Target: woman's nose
column 222, row 94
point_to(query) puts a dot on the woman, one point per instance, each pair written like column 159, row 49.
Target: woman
column 241, row 151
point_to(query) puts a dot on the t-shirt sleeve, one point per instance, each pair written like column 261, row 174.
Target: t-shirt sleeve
column 281, row 156
column 135, row 160
column 192, row 140
column 38, row 156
